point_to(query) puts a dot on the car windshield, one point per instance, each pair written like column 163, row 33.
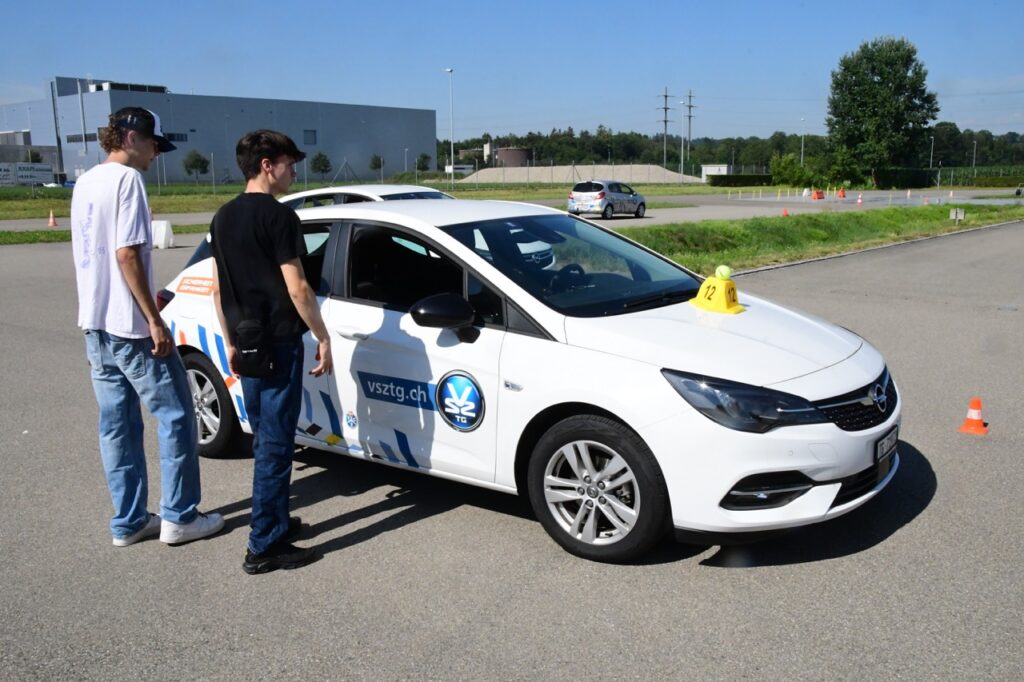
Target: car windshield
column 589, row 272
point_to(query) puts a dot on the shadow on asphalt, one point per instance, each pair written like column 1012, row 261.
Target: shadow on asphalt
column 413, row 497
column 907, row 495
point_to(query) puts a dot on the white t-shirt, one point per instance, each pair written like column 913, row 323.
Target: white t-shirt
column 109, row 211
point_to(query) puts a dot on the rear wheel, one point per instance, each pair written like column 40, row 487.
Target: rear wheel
column 216, row 423
column 641, row 210
column 608, row 211
column 597, row 489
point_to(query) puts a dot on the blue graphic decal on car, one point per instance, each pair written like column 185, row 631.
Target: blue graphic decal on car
column 461, row 401
column 397, row 390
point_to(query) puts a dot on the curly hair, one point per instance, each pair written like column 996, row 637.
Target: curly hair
column 264, row 144
column 112, row 137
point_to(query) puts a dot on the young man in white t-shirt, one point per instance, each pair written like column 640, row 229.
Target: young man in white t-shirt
column 130, row 349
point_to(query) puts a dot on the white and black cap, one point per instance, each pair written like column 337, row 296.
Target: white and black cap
column 143, row 121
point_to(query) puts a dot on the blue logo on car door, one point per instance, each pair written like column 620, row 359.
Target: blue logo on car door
column 460, row 401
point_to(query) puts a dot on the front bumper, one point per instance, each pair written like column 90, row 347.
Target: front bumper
column 703, row 462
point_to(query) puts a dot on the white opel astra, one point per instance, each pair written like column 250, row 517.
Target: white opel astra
column 597, row 388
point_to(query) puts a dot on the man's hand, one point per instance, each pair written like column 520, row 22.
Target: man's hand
column 162, row 341
column 233, row 360
column 323, row 357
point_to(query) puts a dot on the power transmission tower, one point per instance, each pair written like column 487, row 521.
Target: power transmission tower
column 664, row 120
column 690, row 106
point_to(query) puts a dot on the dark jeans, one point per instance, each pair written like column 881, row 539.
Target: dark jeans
column 273, row 405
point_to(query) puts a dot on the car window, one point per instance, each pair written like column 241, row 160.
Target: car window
column 613, row 187
column 594, row 272
column 587, row 187
column 315, row 236
column 485, row 301
column 397, row 269
column 415, row 195
column 314, row 201
column 626, row 189
column 352, row 198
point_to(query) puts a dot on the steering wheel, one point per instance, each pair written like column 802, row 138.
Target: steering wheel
column 568, row 277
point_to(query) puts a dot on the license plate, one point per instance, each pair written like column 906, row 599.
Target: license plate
column 886, row 445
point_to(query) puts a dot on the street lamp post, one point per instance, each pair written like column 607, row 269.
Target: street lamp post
column 451, row 124
column 801, row 141
column 931, row 154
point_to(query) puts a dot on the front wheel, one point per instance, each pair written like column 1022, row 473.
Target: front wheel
column 597, row 489
column 216, row 423
column 641, row 210
column 608, row 211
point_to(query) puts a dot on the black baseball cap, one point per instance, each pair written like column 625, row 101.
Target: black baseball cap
column 143, row 121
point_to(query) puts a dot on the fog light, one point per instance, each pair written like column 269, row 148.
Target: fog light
column 766, row 491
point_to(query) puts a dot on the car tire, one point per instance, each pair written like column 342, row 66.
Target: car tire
column 608, row 212
column 641, row 210
column 612, row 524
column 216, row 422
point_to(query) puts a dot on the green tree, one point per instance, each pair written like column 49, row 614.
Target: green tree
column 423, row 162
column 321, row 164
column 879, row 109
column 786, row 170
column 196, row 164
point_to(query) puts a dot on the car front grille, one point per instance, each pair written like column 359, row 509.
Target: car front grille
column 864, row 408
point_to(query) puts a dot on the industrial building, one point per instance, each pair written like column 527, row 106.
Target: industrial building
column 64, row 126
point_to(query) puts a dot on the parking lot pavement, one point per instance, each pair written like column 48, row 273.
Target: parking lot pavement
column 424, row 578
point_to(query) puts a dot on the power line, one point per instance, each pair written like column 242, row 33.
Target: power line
column 664, row 136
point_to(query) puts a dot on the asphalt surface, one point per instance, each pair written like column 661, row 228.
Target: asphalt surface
column 429, row 579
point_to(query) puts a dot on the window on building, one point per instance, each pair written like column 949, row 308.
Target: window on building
column 89, row 137
column 176, row 137
column 309, row 137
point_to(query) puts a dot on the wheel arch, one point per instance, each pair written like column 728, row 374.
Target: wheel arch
column 544, row 420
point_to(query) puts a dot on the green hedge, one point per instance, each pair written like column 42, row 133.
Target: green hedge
column 748, row 180
column 903, row 178
column 998, row 180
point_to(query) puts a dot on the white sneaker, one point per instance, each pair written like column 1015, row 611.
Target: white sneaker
column 202, row 525
column 151, row 528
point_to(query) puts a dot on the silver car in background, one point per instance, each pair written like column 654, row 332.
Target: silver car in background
column 606, row 197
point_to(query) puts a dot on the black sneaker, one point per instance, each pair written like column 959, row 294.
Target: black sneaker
column 281, row 554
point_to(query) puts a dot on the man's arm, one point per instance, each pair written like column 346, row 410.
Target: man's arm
column 228, row 338
column 304, row 299
column 138, row 283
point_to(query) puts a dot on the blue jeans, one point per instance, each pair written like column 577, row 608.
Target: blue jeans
column 273, row 405
column 125, row 373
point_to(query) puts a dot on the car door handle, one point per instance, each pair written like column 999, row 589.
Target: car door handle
column 351, row 334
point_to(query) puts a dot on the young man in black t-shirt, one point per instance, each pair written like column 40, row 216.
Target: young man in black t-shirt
column 257, row 243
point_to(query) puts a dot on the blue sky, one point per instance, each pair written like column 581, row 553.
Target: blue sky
column 754, row 68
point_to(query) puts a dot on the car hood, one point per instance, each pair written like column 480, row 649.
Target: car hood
column 765, row 344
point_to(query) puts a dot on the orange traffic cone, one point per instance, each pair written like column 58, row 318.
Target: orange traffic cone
column 785, row 213
column 860, row 199
column 973, row 423
column 52, row 222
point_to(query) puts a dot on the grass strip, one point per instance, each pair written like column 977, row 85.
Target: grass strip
column 755, row 242
column 50, row 236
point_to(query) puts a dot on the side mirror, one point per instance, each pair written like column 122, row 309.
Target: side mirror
column 445, row 311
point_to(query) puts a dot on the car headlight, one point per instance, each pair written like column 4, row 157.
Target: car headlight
column 741, row 406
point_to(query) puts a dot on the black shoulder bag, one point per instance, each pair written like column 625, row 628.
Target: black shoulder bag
column 253, row 341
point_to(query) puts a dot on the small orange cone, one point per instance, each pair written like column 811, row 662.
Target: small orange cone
column 785, row 213
column 860, row 199
column 52, row 222
column 973, row 424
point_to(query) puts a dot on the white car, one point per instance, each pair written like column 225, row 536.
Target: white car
column 597, row 389
column 353, row 194
column 606, row 197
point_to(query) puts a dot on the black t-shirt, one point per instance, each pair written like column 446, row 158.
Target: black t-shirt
column 252, row 236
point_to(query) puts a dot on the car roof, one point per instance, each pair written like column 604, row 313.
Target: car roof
column 371, row 190
column 429, row 211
